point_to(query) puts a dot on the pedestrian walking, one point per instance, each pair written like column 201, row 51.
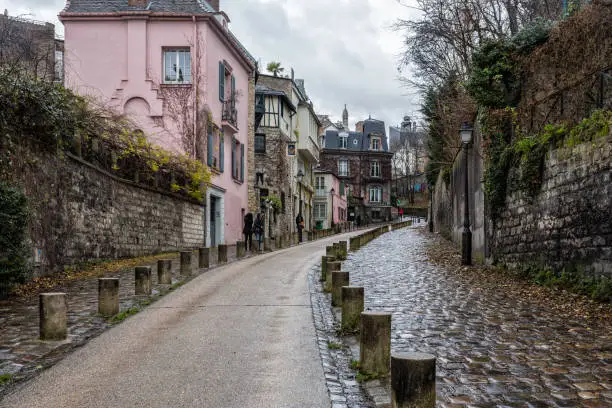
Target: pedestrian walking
column 247, row 230
column 299, row 221
column 258, row 229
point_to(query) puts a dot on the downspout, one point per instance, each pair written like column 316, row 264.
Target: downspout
column 194, row 73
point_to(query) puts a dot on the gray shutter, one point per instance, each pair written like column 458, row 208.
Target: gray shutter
column 241, row 162
column 234, row 175
column 221, row 81
column 221, row 152
column 210, row 148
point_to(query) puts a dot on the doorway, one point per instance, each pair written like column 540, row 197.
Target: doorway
column 213, row 221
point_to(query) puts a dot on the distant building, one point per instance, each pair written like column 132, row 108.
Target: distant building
column 330, row 203
column 31, row 47
column 362, row 163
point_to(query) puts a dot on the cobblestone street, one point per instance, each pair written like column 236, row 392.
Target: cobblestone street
column 492, row 349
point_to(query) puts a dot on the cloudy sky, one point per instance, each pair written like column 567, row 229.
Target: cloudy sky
column 345, row 50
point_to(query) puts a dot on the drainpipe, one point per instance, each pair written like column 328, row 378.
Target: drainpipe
column 194, row 70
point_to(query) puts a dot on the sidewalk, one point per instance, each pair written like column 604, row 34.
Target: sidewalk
column 494, row 348
column 22, row 354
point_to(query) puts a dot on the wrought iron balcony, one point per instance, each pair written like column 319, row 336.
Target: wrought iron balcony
column 230, row 114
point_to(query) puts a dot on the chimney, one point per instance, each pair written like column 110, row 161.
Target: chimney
column 214, row 4
column 138, row 3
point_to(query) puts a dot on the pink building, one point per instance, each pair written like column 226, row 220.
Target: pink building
column 330, row 201
column 178, row 72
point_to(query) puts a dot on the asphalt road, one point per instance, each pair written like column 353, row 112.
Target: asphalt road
column 237, row 336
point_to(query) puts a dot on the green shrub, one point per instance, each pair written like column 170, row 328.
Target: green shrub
column 532, row 35
column 14, row 221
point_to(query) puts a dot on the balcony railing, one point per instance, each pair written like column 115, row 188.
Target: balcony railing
column 230, row 113
column 321, row 192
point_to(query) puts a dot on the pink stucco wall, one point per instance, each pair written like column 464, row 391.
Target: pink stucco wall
column 339, row 201
column 119, row 63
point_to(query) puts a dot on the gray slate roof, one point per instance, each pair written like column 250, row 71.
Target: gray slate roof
column 359, row 141
column 167, row 6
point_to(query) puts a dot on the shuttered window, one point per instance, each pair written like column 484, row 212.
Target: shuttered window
column 241, row 162
column 221, row 81
column 221, row 152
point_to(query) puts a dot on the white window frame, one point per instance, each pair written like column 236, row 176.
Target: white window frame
column 187, row 66
column 375, row 143
column 375, row 168
column 320, row 211
column 340, row 168
column 375, row 195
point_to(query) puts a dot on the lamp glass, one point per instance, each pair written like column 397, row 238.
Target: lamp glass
column 466, row 133
column 300, row 175
column 332, row 191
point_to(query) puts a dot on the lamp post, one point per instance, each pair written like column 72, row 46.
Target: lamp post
column 431, row 225
column 466, row 239
column 332, row 192
column 300, row 177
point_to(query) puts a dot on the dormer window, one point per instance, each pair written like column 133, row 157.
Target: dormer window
column 343, row 140
column 375, row 143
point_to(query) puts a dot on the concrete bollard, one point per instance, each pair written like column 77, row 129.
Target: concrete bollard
column 352, row 307
column 375, row 342
column 240, row 249
column 324, row 260
column 142, row 280
column 354, row 244
column 343, row 249
column 164, row 271
column 186, row 263
column 204, row 257
column 332, row 267
column 279, row 242
column 267, row 244
column 53, row 316
column 339, row 279
column 330, row 251
column 222, row 253
column 108, row 296
column 413, row 380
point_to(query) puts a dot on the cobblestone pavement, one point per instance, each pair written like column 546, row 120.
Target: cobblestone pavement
column 21, row 352
column 493, row 350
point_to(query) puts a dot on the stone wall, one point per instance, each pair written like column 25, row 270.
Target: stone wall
column 82, row 213
column 569, row 223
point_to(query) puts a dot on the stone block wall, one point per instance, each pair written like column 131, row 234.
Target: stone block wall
column 81, row 213
column 570, row 222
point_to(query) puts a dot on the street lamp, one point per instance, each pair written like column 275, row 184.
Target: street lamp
column 300, row 177
column 332, row 192
column 466, row 242
column 431, row 225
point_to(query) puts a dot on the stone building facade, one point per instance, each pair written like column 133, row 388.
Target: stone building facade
column 362, row 162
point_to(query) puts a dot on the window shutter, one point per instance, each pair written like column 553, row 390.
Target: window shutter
column 233, row 157
column 221, row 152
column 210, row 148
column 221, row 81
column 342, row 188
column 233, row 87
column 241, row 162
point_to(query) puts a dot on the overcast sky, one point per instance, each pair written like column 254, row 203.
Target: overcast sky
column 345, row 50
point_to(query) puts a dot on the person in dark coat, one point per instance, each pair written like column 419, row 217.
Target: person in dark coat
column 247, row 230
column 299, row 221
column 258, row 229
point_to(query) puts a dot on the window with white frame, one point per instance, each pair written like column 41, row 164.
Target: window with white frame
column 342, row 140
column 343, row 168
column 320, row 186
column 375, row 143
column 320, row 211
column 177, row 66
column 375, row 168
column 375, row 194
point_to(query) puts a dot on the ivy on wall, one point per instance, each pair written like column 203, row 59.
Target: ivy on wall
column 13, row 249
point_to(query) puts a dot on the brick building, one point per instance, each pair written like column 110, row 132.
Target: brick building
column 362, row 162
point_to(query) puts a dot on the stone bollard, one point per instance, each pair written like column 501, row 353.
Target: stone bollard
column 330, row 251
column 310, row 236
column 354, row 243
column 324, row 260
column 186, row 263
column 267, row 244
column 164, row 271
column 413, row 380
column 343, row 249
column 222, row 253
column 204, row 257
column 296, row 238
column 339, row 279
column 279, row 242
column 240, row 249
column 142, row 280
column 352, row 307
column 108, row 296
column 53, row 316
column 332, row 267
column 375, row 342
